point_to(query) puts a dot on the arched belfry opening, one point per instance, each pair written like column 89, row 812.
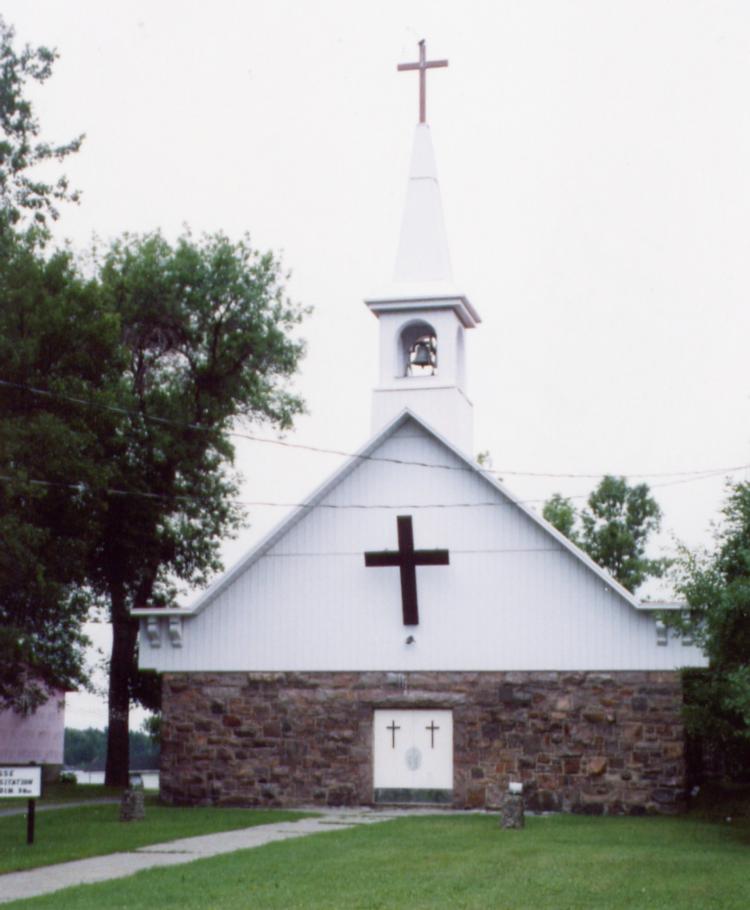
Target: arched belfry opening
column 418, row 350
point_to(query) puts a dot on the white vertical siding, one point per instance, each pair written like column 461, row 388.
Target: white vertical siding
column 512, row 598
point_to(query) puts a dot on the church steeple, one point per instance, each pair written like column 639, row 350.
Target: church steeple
column 422, row 255
column 422, row 314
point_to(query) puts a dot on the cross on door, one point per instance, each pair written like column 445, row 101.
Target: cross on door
column 393, row 729
column 432, row 728
column 407, row 559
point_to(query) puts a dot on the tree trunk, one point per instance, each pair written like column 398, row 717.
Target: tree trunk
column 124, row 637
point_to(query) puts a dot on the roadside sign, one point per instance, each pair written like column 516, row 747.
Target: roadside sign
column 26, row 782
column 19, row 781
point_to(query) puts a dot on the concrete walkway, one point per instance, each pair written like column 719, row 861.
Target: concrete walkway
column 17, row 885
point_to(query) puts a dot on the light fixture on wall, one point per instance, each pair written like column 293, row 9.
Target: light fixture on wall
column 411, row 640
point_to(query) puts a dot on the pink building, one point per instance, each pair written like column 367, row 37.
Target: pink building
column 37, row 737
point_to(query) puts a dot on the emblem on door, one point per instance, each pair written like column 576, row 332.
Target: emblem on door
column 413, row 758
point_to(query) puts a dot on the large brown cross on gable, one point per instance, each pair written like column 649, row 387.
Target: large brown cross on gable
column 422, row 65
column 407, row 559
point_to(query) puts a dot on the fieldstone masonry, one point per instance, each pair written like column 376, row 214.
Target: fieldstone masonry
column 596, row 743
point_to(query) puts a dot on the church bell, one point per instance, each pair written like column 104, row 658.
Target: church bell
column 422, row 354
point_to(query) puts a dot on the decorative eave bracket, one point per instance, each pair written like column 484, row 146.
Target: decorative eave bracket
column 153, row 632
column 153, row 627
column 175, row 631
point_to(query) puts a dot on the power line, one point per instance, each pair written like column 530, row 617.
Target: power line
column 453, row 552
column 696, row 473
column 82, row 488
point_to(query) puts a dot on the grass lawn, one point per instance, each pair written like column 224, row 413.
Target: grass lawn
column 555, row 863
column 65, row 793
column 76, row 833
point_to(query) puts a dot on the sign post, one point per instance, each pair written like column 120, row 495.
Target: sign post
column 30, row 821
column 20, row 780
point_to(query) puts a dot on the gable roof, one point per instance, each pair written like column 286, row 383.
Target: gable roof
column 318, row 495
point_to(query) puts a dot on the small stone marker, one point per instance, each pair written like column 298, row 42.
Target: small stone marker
column 132, row 808
column 511, row 808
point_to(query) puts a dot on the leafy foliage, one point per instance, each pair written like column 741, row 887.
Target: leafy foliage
column 560, row 512
column 87, row 749
column 715, row 584
column 118, row 394
column 53, row 338
column 205, row 339
column 614, row 528
column 21, row 149
column 43, row 530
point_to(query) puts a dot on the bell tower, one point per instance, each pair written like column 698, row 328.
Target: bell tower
column 422, row 315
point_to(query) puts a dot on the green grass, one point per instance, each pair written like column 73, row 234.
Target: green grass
column 77, row 833
column 65, row 793
column 555, row 863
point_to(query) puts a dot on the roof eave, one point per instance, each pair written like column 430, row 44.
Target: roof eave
column 213, row 591
column 224, row 580
column 561, row 538
column 459, row 303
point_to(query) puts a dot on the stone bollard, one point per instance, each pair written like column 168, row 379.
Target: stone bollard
column 511, row 808
column 132, row 808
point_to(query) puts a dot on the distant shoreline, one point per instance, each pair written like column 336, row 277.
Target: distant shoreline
column 150, row 777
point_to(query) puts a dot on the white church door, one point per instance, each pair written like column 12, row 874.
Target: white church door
column 413, row 756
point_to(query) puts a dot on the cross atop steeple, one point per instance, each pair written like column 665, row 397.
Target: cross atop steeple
column 422, row 65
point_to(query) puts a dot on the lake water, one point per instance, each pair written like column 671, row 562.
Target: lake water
column 150, row 778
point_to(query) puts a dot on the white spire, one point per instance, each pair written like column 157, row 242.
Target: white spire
column 423, row 267
column 423, row 244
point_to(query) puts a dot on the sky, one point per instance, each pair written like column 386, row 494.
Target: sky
column 593, row 162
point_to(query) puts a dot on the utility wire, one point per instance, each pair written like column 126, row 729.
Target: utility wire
column 453, row 552
column 377, row 458
column 82, row 488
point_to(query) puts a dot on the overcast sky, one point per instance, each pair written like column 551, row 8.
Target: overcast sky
column 593, row 160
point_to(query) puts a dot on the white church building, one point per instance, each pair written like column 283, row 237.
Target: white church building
column 413, row 633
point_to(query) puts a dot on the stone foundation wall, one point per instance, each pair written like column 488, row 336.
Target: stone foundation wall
column 580, row 742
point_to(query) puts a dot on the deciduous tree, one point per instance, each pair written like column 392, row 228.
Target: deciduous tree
column 118, row 397
column 561, row 514
column 206, row 332
column 41, row 529
column 715, row 584
column 55, row 345
column 613, row 529
column 21, row 148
